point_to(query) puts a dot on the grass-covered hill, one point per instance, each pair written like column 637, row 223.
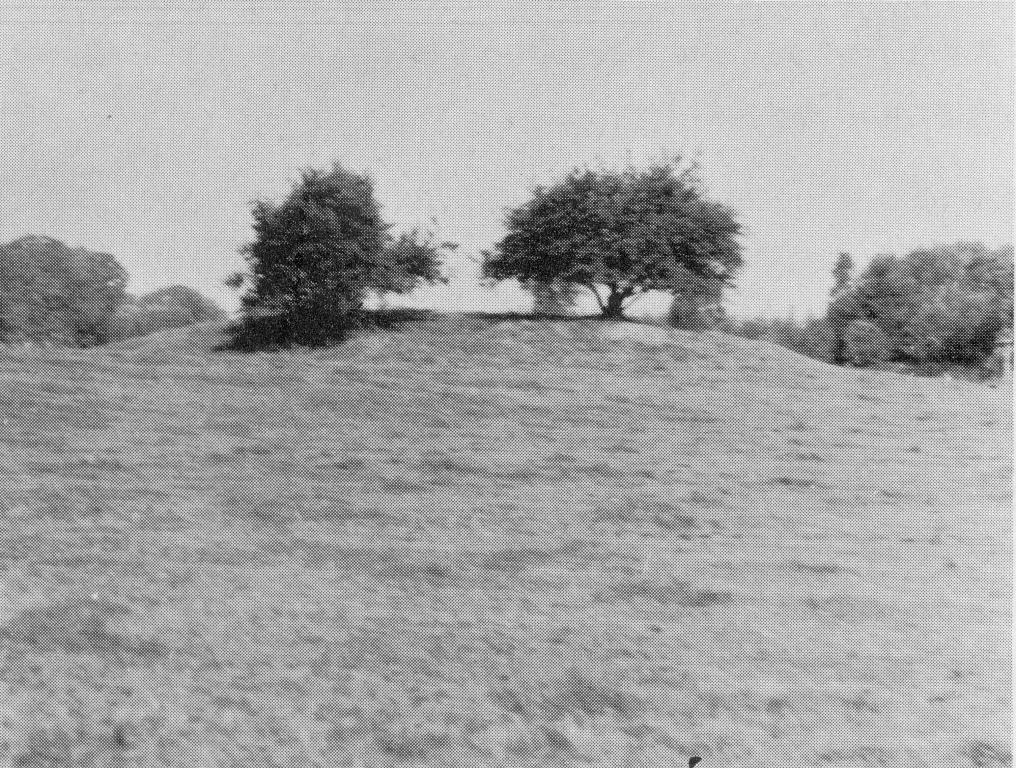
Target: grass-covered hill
column 493, row 542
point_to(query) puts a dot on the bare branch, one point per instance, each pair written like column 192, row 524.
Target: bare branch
column 596, row 293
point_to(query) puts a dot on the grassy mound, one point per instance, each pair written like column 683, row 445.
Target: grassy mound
column 497, row 541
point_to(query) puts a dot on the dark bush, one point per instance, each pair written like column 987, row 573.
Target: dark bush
column 316, row 254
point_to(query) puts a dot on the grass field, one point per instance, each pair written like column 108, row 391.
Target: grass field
column 483, row 542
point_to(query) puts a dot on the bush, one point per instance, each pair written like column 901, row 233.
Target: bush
column 552, row 298
column 316, row 254
column 942, row 305
column 867, row 344
column 53, row 294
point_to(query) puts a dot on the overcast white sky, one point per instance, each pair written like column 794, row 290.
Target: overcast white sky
column 144, row 129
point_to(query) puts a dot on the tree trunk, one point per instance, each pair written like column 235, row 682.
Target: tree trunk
column 614, row 309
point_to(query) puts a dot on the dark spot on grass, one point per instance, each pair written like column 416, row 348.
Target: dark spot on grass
column 777, row 707
column 678, row 593
column 674, row 521
column 557, row 740
column 400, row 486
column 980, row 753
column 860, row 704
column 79, row 627
column 353, row 515
column 794, row 482
column 406, row 744
column 821, row 569
column 522, row 558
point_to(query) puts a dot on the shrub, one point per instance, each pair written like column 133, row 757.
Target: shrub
column 316, row 254
column 866, row 344
column 941, row 305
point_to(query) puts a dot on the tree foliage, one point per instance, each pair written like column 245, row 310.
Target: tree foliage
column 53, row 294
column 619, row 234
column 317, row 253
column 866, row 344
column 945, row 304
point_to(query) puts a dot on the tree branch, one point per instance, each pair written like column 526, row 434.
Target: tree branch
column 596, row 293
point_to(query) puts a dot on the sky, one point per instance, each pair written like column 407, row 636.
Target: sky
column 146, row 129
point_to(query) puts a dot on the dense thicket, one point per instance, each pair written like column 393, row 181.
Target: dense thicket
column 943, row 305
column 619, row 234
column 934, row 309
column 51, row 293
column 317, row 253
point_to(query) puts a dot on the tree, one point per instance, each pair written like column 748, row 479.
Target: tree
column 53, row 294
column 197, row 307
column 945, row 304
column 843, row 272
column 316, row 254
column 619, row 234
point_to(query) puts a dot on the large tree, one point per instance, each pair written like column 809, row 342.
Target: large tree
column 620, row 234
column 317, row 253
column 51, row 293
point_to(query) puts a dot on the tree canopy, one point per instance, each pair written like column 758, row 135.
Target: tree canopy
column 620, row 234
column 317, row 252
column 54, row 294
column 941, row 304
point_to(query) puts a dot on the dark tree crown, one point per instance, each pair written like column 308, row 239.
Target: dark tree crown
column 626, row 232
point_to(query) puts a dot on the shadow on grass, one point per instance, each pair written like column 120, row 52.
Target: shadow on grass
column 79, row 627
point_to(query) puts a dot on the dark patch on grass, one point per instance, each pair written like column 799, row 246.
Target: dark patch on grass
column 622, row 448
column 980, row 753
column 79, row 627
column 668, row 593
column 396, row 485
column 56, row 748
column 406, row 744
column 557, row 741
column 577, row 693
column 574, row 695
column 815, row 457
column 821, row 569
column 433, row 573
column 700, row 499
column 353, row 515
column 777, row 707
column 796, row 482
column 632, row 511
column 257, row 510
column 520, row 559
column 674, row 521
column 860, row 704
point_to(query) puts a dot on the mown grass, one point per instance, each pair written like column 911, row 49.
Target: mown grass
column 494, row 541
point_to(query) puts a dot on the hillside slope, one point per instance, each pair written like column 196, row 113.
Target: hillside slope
column 471, row 542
